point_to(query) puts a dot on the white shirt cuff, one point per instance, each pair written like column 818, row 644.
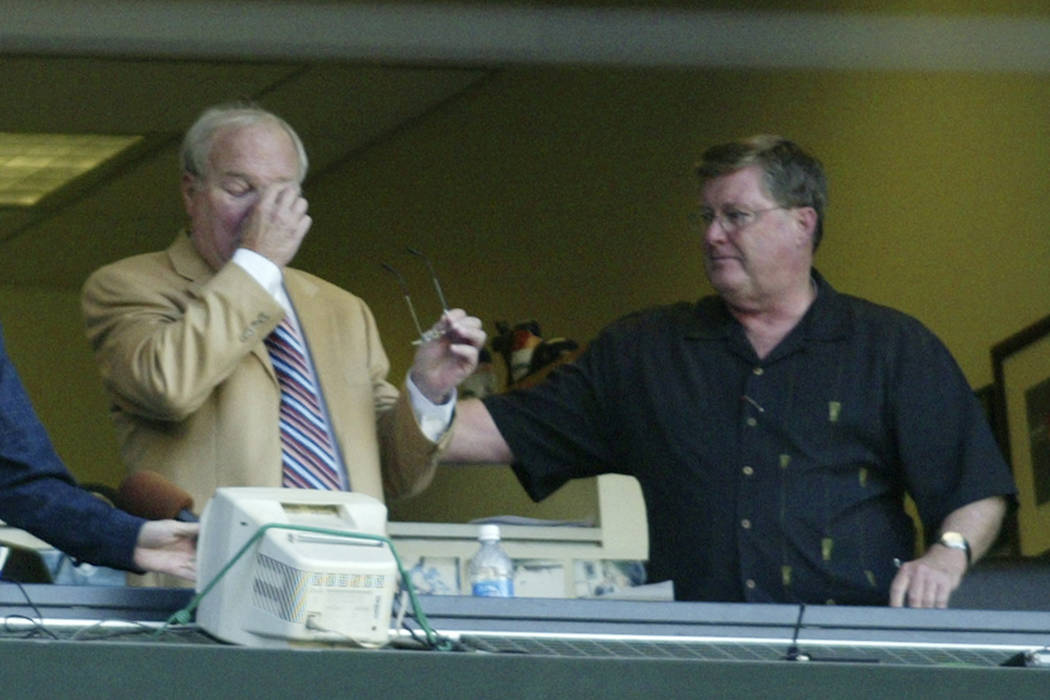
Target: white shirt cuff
column 433, row 418
column 263, row 271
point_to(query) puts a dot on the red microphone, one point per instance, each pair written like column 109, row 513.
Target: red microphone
column 149, row 495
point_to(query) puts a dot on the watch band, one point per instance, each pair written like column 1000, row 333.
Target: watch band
column 955, row 540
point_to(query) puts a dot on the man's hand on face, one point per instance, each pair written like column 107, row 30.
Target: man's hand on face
column 278, row 223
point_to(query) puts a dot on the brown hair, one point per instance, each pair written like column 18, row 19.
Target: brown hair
column 793, row 177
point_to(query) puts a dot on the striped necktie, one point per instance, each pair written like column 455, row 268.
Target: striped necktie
column 308, row 454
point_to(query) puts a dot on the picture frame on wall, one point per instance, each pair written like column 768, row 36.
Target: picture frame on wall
column 1021, row 421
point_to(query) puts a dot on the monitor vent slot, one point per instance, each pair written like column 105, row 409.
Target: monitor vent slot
column 279, row 589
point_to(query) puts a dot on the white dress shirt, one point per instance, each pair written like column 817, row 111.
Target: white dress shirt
column 433, row 419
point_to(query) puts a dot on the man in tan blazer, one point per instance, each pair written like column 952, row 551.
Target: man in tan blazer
column 178, row 334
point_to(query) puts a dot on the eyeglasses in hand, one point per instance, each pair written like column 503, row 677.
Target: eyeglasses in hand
column 431, row 334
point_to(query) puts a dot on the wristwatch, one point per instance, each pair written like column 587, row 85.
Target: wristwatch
column 954, row 540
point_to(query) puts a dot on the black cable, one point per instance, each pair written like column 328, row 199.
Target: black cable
column 39, row 623
column 30, row 633
column 796, row 654
column 436, row 642
column 98, row 632
column 793, row 652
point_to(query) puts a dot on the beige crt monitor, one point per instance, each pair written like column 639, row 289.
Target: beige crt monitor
column 295, row 586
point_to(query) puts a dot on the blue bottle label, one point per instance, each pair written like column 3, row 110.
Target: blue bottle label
column 499, row 588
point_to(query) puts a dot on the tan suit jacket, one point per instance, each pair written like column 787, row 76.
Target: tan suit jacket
column 195, row 396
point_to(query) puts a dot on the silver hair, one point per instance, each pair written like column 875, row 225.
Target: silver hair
column 196, row 145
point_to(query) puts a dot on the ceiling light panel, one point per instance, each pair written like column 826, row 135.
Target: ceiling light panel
column 35, row 165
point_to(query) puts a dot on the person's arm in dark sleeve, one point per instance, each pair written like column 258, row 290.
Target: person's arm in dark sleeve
column 38, row 494
column 952, row 466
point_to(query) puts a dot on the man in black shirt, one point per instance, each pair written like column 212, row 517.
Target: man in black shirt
column 774, row 428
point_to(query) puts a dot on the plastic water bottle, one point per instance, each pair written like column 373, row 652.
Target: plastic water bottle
column 491, row 570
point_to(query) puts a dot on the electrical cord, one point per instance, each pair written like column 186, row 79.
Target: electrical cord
column 312, row 624
column 793, row 652
column 38, row 623
column 433, row 640
column 98, row 631
column 444, row 643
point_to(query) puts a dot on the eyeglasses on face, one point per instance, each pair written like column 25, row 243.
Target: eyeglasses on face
column 732, row 219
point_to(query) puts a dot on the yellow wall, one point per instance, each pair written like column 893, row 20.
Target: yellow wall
column 44, row 338
column 565, row 195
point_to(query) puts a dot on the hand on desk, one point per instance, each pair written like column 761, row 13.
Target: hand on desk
column 928, row 582
column 168, row 547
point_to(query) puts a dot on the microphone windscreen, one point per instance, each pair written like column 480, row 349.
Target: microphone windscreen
column 149, row 495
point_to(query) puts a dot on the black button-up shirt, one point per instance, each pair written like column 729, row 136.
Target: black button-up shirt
column 779, row 479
